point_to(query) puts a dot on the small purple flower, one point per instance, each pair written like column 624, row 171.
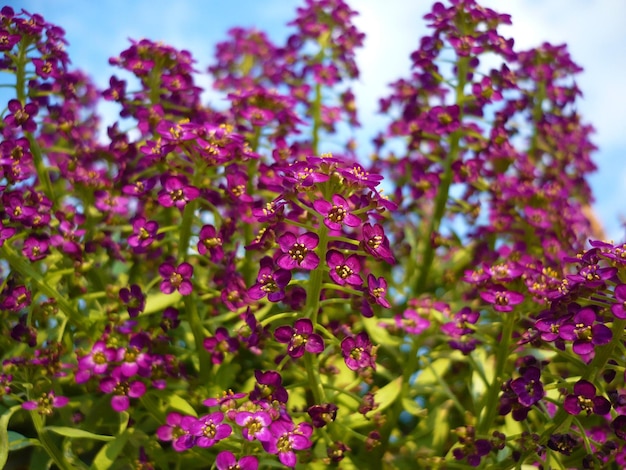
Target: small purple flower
column 528, row 387
column 344, row 270
column 298, row 251
column 176, row 278
column 286, row 438
column 46, row 403
column 134, row 299
column 358, row 352
column 619, row 308
column 219, row 344
column 585, row 333
column 585, row 399
column 255, row 425
column 375, row 243
column 323, row 414
column 96, row 362
column 178, row 431
column 300, row 338
column 209, row 429
column 144, row 234
column 36, row 247
column 176, row 192
column 411, row 322
column 22, row 116
column 211, row 242
column 377, row 288
column 270, row 282
column 337, row 213
column 503, row 300
column 269, row 387
column 122, row 390
column 226, row 460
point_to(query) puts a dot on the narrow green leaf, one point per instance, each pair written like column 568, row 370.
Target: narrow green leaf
column 179, row 404
column 410, row 406
column 388, row 394
column 75, row 432
column 109, row 453
column 4, row 434
column 159, row 301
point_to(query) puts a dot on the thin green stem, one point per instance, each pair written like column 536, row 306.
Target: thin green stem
column 44, row 438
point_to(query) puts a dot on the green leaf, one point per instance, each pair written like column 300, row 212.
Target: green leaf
column 378, row 334
column 387, row 395
column 410, row 406
column 159, row 301
column 17, row 441
column 75, row 432
column 4, row 434
column 109, row 453
column 180, row 404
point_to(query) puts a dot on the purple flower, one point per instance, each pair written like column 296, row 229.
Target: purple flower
column 528, row 387
column 375, row 243
column 619, row 308
column 377, row 288
column 255, row 425
column 210, row 241
column 502, row 299
column 270, row 282
column 286, row 438
column 585, row 333
column 36, row 247
column 176, row 192
column 178, row 431
column 269, row 387
column 209, row 429
column 46, row 403
column 344, row 270
column 297, row 251
column 96, row 362
column 323, row 414
column 219, row 344
column 357, row 352
column 226, row 460
column 337, row 213
column 122, row 390
column 144, row 234
column 176, row 278
column 300, row 338
column 22, row 116
column 134, row 299
column 411, row 322
column 584, row 398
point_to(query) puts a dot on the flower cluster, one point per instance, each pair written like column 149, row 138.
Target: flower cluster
column 214, row 288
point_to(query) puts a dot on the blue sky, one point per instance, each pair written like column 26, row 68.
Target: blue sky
column 593, row 29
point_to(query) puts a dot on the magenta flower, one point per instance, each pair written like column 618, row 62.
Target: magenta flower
column 210, row 242
column 176, row 278
column 377, row 288
column 134, row 299
column 585, row 333
column 226, row 460
column 375, row 243
column 96, row 362
column 411, row 322
column 122, row 390
column 269, row 387
column 297, row 251
column 357, row 352
column 254, row 425
column 209, row 429
column 300, row 338
column 503, row 300
column 144, row 234
column 337, row 213
column 287, row 438
column 344, row 270
column 36, row 247
column 585, row 399
column 219, row 344
column 178, row 431
column 46, row 403
column 528, row 387
column 22, row 116
column 619, row 308
column 176, row 192
column 270, row 282
column 322, row 414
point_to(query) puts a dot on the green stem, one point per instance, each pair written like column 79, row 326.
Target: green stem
column 198, row 335
column 316, row 112
column 489, row 408
column 44, row 438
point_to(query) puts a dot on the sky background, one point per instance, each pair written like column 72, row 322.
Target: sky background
column 593, row 29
